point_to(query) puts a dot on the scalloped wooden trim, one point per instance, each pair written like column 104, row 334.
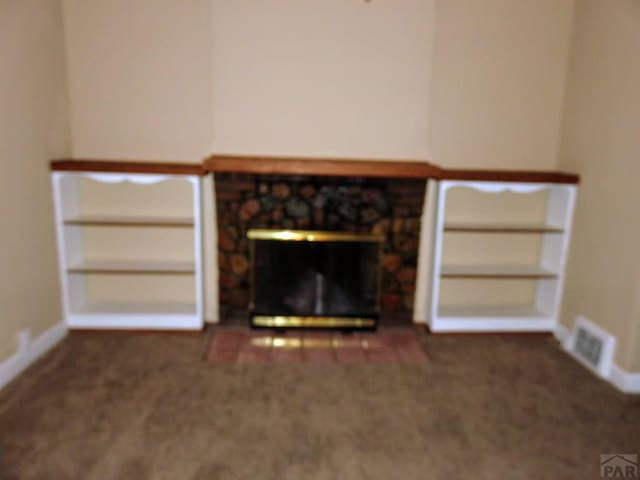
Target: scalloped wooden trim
column 525, row 176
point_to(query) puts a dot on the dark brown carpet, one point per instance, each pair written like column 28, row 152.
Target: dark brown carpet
column 140, row 407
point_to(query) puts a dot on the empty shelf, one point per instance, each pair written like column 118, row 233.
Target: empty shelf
column 136, row 315
column 493, row 318
column 130, row 221
column 495, row 271
column 491, row 311
column 501, row 227
column 133, row 267
column 166, row 308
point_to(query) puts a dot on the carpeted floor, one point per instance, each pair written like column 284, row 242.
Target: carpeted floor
column 141, row 407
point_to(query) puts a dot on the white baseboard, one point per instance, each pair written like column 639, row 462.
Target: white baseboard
column 29, row 351
column 561, row 333
column 626, row 382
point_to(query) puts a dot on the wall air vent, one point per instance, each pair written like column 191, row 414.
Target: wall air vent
column 592, row 346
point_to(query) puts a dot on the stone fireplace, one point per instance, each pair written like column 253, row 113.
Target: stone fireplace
column 388, row 207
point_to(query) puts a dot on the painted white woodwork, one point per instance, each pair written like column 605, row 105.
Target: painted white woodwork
column 30, row 350
column 422, row 307
column 548, row 274
column 210, row 249
column 83, row 311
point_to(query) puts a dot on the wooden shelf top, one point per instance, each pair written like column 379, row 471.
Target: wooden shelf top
column 125, row 166
column 334, row 167
column 321, row 166
column 495, row 271
column 523, row 176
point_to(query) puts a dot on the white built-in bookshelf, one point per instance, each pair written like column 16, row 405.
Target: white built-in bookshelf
column 130, row 244
column 499, row 255
column 130, row 249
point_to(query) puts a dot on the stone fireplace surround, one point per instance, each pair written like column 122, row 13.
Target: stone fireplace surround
column 318, row 195
column 390, row 207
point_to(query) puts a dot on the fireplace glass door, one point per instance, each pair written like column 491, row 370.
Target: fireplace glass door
column 314, row 279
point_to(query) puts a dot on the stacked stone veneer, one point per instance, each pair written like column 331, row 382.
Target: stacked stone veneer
column 391, row 207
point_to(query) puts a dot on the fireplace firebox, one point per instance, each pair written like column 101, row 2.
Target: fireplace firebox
column 314, row 279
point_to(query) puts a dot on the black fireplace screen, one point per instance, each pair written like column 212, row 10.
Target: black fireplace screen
column 315, row 274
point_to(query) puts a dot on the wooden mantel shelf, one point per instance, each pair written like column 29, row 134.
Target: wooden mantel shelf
column 524, row 176
column 125, row 166
column 313, row 166
column 320, row 166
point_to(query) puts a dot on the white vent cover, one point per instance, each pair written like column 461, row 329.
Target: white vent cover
column 592, row 346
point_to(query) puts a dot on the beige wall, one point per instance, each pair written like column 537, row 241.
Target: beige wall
column 367, row 80
column 33, row 129
column 335, row 78
column 497, row 86
column 179, row 79
column 601, row 141
column 140, row 78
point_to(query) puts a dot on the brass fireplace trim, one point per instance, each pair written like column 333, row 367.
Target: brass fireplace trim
column 276, row 321
column 312, row 236
column 293, row 321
